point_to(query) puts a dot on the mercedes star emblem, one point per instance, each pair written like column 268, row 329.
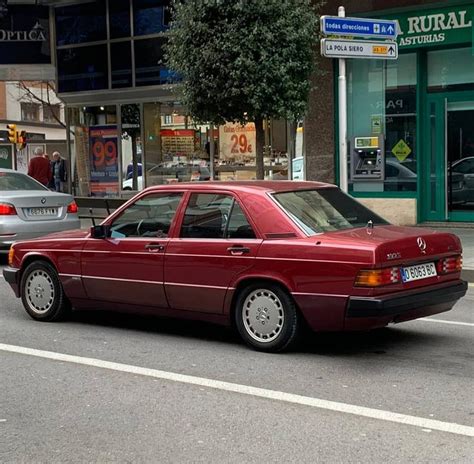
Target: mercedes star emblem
column 421, row 244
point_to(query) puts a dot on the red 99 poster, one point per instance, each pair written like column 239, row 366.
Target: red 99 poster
column 103, row 160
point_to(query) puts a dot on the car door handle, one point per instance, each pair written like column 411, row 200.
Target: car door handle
column 238, row 250
column 153, row 247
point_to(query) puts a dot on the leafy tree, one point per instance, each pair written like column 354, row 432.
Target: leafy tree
column 243, row 60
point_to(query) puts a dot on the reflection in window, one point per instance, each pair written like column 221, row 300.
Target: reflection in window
column 121, row 63
column 119, row 18
column 82, row 68
column 150, row 16
column 81, row 23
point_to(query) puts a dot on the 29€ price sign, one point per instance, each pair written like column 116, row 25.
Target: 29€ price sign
column 103, row 160
column 237, row 141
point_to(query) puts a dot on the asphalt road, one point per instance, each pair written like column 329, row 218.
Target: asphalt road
column 100, row 405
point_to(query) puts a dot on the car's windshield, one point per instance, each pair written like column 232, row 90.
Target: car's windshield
column 325, row 210
column 17, row 181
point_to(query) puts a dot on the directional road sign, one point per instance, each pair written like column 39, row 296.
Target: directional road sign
column 360, row 27
column 339, row 48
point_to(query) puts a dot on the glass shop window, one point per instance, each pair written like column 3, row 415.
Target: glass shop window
column 382, row 100
column 81, row 23
column 119, row 19
column 82, row 68
column 150, row 16
column 450, row 70
column 121, row 64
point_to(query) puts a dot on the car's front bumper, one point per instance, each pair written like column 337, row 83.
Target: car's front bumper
column 370, row 312
column 12, row 275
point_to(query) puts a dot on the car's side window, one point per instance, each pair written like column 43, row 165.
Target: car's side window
column 238, row 226
column 214, row 216
column 150, row 216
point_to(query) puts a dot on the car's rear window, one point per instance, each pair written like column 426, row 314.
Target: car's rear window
column 325, row 210
column 17, row 181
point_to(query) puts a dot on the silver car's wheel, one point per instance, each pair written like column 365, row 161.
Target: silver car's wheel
column 263, row 315
column 266, row 316
column 42, row 293
column 39, row 291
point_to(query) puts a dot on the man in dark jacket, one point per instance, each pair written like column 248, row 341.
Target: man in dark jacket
column 59, row 172
column 40, row 168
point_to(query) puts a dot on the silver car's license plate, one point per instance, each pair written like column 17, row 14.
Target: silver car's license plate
column 420, row 271
column 43, row 211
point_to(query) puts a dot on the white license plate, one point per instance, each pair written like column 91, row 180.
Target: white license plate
column 43, row 211
column 420, row 271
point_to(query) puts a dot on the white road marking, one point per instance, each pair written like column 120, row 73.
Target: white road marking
column 443, row 321
column 371, row 413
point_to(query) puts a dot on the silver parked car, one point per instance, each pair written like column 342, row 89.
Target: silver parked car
column 28, row 209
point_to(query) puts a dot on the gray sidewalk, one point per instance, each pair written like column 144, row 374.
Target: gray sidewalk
column 467, row 239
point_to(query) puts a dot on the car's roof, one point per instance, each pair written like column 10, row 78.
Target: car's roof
column 246, row 185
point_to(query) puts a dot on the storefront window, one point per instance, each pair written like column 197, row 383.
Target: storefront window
column 94, row 151
column 132, row 147
column 382, row 105
column 450, row 70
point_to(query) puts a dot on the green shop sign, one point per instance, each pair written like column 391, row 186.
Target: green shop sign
column 430, row 28
column 6, row 156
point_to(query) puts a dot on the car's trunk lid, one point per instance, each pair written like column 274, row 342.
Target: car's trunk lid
column 38, row 205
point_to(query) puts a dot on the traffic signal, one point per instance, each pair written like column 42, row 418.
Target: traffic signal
column 21, row 141
column 12, row 133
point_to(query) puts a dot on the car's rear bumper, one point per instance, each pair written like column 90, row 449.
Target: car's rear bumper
column 12, row 275
column 371, row 312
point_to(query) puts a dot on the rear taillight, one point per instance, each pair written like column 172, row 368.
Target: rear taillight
column 448, row 265
column 7, row 210
column 72, row 208
column 377, row 277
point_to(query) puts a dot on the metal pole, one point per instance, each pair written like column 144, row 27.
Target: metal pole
column 211, row 151
column 342, row 90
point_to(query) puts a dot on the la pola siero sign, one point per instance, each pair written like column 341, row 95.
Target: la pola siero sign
column 436, row 27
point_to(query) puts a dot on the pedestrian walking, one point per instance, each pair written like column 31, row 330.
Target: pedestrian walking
column 59, row 172
column 39, row 167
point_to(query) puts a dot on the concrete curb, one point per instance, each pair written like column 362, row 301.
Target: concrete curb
column 468, row 275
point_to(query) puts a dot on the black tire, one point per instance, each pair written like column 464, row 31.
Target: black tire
column 42, row 293
column 267, row 304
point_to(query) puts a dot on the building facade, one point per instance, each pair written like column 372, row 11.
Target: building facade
column 421, row 104
column 125, row 119
column 34, row 108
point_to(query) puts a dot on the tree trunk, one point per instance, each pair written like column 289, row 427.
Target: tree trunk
column 259, row 148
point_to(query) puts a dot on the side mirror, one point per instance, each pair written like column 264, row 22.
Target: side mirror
column 102, row 231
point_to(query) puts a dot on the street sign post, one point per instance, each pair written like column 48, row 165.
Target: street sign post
column 339, row 48
column 359, row 27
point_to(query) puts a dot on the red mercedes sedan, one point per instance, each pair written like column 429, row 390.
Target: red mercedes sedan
column 266, row 257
